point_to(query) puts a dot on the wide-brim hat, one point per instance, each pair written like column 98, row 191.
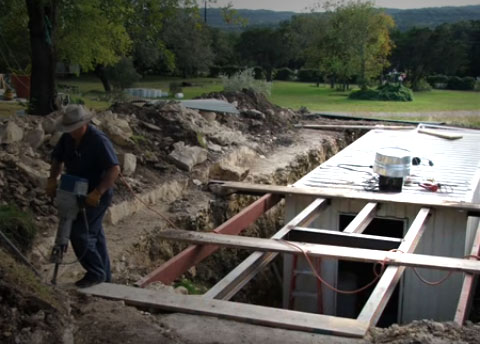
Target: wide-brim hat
column 73, row 117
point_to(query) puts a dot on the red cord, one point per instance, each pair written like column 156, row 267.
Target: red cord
column 329, row 286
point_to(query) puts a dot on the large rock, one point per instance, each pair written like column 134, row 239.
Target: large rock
column 11, row 133
column 119, row 131
column 35, row 137
column 128, row 163
column 223, row 171
column 186, row 157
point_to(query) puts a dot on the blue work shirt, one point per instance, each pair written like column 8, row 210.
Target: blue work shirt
column 91, row 159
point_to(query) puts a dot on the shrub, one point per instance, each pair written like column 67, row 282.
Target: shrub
column 477, row 86
column 230, row 70
column 438, row 81
column 259, row 73
column 308, row 75
column 462, row 84
column 284, row 74
column 245, row 80
column 421, row 86
column 18, row 226
column 385, row 92
column 123, row 74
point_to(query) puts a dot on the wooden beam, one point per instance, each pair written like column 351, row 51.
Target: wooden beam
column 385, row 287
column 380, row 197
column 228, row 286
column 344, row 127
column 329, row 237
column 464, row 302
column 253, row 314
column 337, row 252
column 178, row 265
column 363, row 219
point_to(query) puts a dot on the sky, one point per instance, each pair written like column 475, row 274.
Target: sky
column 305, row 5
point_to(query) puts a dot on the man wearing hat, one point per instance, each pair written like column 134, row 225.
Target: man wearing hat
column 86, row 152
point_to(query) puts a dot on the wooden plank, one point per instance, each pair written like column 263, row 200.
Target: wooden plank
column 253, row 314
column 176, row 266
column 228, row 286
column 385, row 287
column 337, row 252
column 441, row 134
column 329, row 237
column 380, row 197
column 464, row 302
column 364, row 127
column 363, row 219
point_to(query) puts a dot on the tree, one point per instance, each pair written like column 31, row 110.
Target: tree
column 42, row 27
column 263, row 47
column 414, row 54
column 356, row 41
column 187, row 37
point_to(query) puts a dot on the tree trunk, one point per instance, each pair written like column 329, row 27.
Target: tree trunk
column 42, row 23
column 100, row 73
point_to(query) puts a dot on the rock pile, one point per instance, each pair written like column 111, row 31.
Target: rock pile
column 154, row 142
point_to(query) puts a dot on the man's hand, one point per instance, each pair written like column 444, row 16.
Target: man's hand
column 93, row 198
column 51, row 189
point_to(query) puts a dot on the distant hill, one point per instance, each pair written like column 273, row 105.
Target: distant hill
column 405, row 19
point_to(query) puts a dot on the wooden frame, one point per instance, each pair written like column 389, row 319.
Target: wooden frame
column 260, row 315
column 379, row 197
column 176, row 266
column 267, row 249
column 244, row 272
column 377, row 301
column 469, row 282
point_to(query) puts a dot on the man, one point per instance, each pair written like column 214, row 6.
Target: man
column 86, row 152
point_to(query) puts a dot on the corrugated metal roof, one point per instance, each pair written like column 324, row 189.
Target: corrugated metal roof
column 456, row 163
column 210, row 105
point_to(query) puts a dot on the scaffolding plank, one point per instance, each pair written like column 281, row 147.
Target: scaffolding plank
column 363, row 219
column 176, row 266
column 464, row 301
column 337, row 252
column 329, row 237
column 379, row 197
column 253, row 314
column 228, row 286
column 385, row 287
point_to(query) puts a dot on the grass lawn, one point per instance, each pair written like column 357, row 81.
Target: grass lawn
column 294, row 95
column 318, row 99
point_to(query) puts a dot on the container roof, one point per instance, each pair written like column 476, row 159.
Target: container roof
column 456, row 164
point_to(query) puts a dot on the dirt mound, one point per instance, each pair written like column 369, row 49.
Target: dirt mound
column 426, row 332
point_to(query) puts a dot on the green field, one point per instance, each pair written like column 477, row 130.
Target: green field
column 318, row 99
column 425, row 107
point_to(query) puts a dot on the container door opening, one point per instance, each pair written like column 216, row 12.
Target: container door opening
column 354, row 275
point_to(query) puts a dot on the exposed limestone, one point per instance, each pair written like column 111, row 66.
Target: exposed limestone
column 35, row 137
column 186, row 157
column 11, row 133
column 128, row 163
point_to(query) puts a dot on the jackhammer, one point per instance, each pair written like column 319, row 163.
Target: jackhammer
column 70, row 201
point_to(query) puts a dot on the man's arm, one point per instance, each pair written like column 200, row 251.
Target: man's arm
column 109, row 179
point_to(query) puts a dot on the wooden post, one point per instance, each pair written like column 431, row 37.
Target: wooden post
column 377, row 301
column 227, row 287
column 464, row 301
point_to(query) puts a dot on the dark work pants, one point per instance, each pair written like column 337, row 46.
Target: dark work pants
column 91, row 248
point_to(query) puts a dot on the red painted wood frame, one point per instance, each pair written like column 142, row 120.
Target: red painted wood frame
column 178, row 265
